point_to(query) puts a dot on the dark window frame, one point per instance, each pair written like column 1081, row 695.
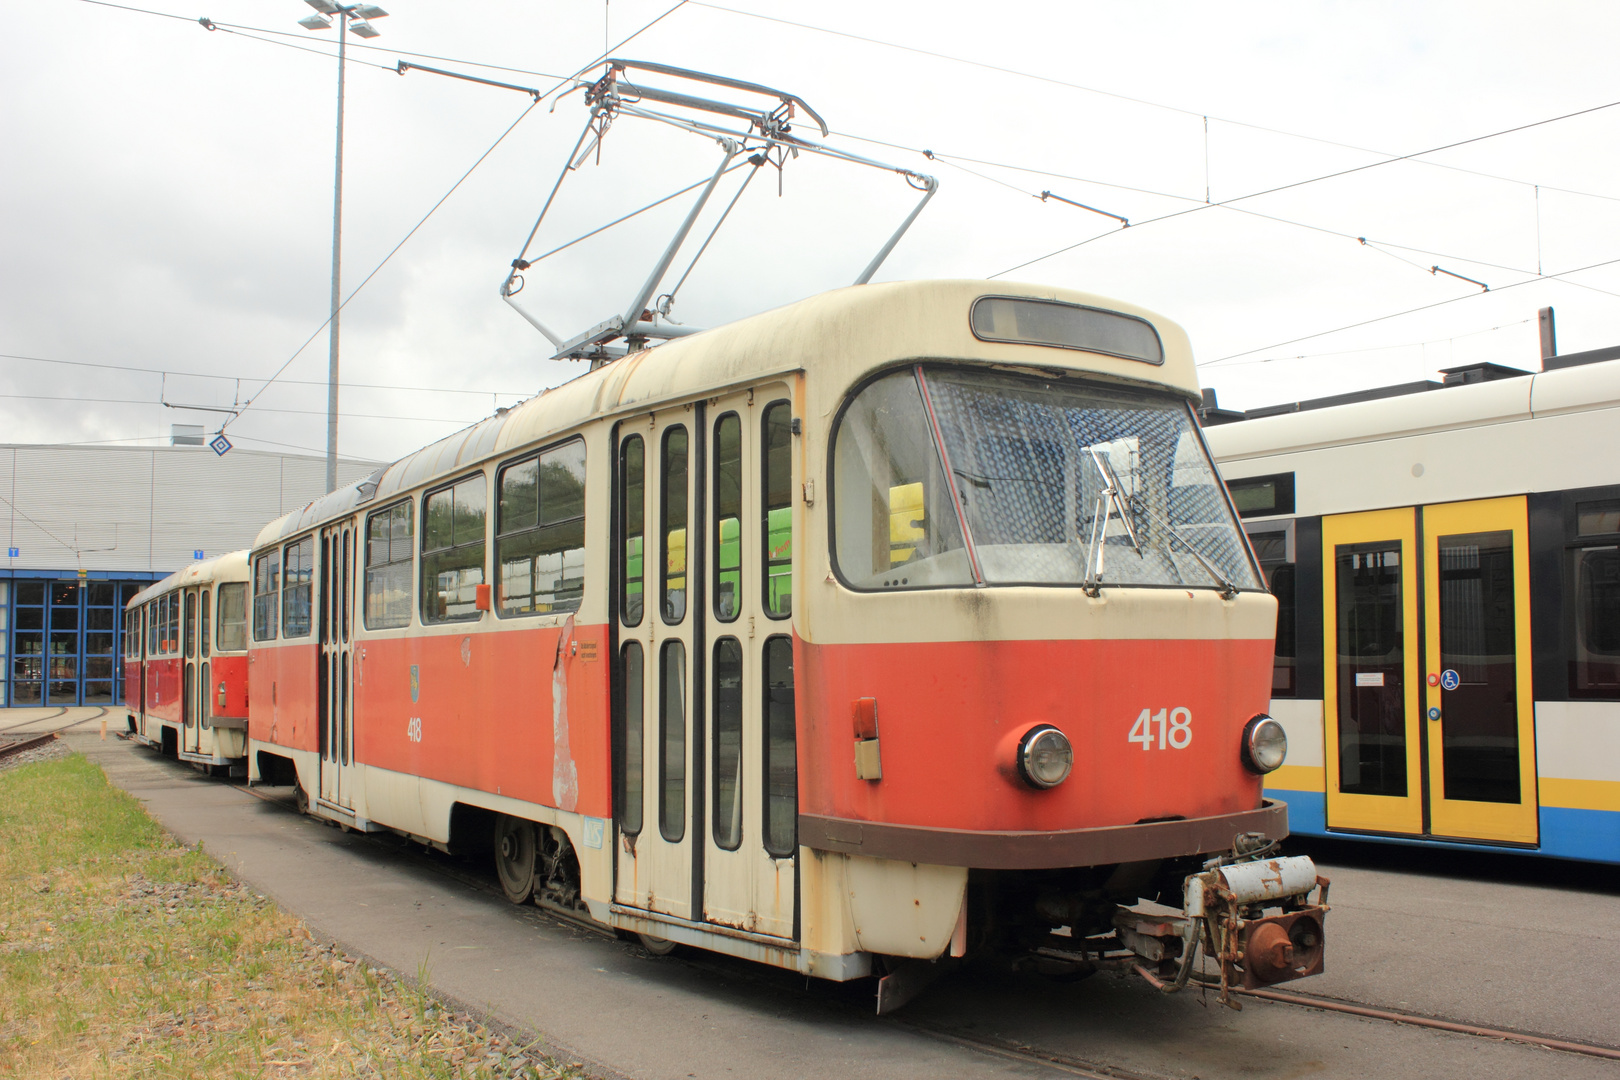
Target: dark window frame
column 1282, row 506
column 540, row 527
column 765, row 508
column 373, row 619
column 792, row 817
column 665, row 529
column 621, row 557
column 717, row 571
column 302, row 588
column 735, row 724
column 266, row 579
column 482, row 543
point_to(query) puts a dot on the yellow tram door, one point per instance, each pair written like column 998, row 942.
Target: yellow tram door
column 1479, row 716
column 1372, row 677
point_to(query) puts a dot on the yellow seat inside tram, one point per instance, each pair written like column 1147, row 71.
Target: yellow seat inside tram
column 905, row 521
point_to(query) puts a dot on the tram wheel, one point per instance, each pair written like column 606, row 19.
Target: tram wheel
column 515, row 857
column 656, row 945
column 301, row 798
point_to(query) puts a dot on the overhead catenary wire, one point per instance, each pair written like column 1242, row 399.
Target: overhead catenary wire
column 267, row 409
column 257, row 378
column 1200, row 114
column 1408, row 311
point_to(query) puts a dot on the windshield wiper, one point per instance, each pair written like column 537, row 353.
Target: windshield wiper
column 1108, row 499
column 1228, row 589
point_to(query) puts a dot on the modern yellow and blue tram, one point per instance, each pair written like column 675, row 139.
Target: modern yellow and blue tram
column 1446, row 557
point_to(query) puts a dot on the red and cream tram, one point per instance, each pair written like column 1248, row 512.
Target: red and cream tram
column 907, row 621
column 185, row 664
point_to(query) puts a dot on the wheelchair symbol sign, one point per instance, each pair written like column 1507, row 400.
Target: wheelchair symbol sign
column 1449, row 679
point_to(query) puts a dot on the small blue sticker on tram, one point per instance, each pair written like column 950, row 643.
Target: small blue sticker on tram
column 593, row 832
column 1434, row 713
column 416, row 682
column 1449, row 679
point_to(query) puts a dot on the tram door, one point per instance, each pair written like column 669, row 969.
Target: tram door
column 751, row 774
column 1427, row 682
column 658, row 457
column 190, row 697
column 334, row 680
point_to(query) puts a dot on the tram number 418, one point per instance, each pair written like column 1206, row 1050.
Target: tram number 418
column 413, row 729
column 1174, row 726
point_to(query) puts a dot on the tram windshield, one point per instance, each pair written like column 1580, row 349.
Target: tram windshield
column 1059, row 482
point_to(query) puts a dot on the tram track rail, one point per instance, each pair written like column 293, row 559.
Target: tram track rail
column 1009, row 1049
column 34, row 736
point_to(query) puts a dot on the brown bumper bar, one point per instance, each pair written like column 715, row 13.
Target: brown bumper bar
column 985, row 850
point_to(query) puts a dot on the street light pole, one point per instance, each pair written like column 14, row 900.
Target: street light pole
column 361, row 14
column 337, row 270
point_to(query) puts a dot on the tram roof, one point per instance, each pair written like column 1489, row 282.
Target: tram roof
column 232, row 566
column 842, row 336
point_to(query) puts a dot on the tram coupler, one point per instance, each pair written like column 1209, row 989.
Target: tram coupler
column 1258, row 918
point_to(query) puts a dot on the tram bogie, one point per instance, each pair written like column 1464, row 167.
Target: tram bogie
column 906, row 623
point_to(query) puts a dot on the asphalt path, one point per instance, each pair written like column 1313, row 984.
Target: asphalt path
column 1492, row 940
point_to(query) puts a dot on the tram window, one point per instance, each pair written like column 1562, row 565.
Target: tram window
column 171, row 624
column 672, row 524
column 297, row 587
column 633, row 512
column 233, row 616
column 672, row 741
column 540, row 532
column 388, row 567
column 1597, row 518
column 632, row 796
column 727, row 537
column 453, row 522
column 894, row 525
column 728, row 739
column 1271, row 548
column 151, row 628
column 781, row 771
column 1263, row 496
column 205, row 639
column 777, row 518
column 1371, row 669
column 1594, row 672
column 266, row 595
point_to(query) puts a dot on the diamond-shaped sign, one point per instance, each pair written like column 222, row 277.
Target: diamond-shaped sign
column 221, row 445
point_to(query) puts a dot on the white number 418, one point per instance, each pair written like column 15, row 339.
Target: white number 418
column 1178, row 732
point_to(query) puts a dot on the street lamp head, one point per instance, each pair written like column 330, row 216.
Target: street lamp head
column 315, row 22
column 361, row 28
column 370, row 11
column 325, row 7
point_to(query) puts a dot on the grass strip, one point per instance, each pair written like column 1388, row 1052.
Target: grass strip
column 125, row 954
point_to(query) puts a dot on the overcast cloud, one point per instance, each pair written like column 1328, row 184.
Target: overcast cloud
column 165, row 197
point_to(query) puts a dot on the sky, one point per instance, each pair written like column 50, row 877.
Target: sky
column 1291, row 173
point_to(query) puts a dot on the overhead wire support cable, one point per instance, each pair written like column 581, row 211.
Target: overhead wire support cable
column 1320, row 179
column 1187, row 112
column 1124, row 222
column 1408, row 311
column 1441, row 270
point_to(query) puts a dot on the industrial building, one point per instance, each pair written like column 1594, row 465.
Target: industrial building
column 86, row 528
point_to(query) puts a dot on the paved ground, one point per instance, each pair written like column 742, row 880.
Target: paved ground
column 1507, row 942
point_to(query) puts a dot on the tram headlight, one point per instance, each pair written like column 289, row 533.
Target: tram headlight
column 1045, row 756
column 1265, row 745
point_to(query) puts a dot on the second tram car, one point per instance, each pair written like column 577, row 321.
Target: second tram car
column 1447, row 557
column 903, row 622
column 186, row 664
